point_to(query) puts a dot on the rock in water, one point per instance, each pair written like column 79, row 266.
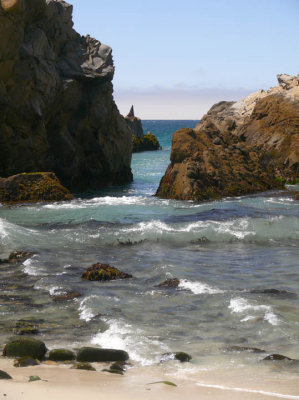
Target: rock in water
column 140, row 141
column 61, row 355
column 57, row 111
column 4, row 375
column 238, row 147
column 170, row 283
column 104, row 272
column 32, row 187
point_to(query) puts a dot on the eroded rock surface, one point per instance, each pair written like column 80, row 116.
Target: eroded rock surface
column 56, row 107
column 238, row 148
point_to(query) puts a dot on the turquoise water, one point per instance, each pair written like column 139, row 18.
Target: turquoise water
column 226, row 254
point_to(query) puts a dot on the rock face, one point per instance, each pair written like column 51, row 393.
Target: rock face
column 32, row 187
column 56, row 107
column 238, row 147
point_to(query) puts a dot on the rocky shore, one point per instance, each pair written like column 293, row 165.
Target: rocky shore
column 238, row 148
column 57, row 111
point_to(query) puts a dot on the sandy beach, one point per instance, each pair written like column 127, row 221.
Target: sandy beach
column 60, row 382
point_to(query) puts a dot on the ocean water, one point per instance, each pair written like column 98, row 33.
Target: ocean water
column 227, row 255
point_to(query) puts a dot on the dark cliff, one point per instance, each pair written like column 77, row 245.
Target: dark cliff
column 57, row 111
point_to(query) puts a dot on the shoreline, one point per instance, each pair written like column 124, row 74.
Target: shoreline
column 61, row 382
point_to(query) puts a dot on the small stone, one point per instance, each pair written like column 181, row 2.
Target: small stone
column 34, row 378
column 84, row 366
column 180, row 356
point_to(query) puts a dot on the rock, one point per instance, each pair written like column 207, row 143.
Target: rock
column 170, row 283
column 148, row 142
column 134, row 124
column 104, row 272
column 19, row 256
column 25, row 346
column 116, row 368
column 4, row 375
column 275, row 292
column 83, row 365
column 180, row 356
column 91, row 354
column 25, row 328
column 277, row 357
column 288, row 82
column 26, row 362
column 32, row 187
column 34, row 378
column 61, row 355
column 238, row 148
column 244, row 348
column 67, row 296
column 57, row 111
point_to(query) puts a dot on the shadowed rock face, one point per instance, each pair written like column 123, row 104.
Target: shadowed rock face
column 56, row 106
column 238, row 147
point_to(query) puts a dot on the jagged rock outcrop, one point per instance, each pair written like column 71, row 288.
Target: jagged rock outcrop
column 141, row 141
column 56, row 106
column 238, row 147
column 32, row 187
column 135, row 124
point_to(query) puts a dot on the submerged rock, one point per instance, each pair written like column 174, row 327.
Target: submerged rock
column 17, row 256
column 170, row 283
column 32, row 187
column 116, row 368
column 277, row 357
column 104, row 272
column 66, row 296
column 94, row 354
column 180, row 356
column 56, row 99
column 83, row 365
column 25, row 346
column 61, row 355
column 238, row 148
column 4, row 375
column 244, row 348
column 26, row 362
column 275, row 292
column 25, row 328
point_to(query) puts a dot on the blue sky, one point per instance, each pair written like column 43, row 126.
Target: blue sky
column 174, row 59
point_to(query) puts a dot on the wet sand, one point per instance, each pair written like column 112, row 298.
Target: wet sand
column 59, row 382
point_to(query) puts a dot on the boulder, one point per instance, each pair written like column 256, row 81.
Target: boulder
column 148, row 142
column 32, row 187
column 180, row 356
column 238, row 148
column 61, row 355
column 170, row 283
column 17, row 256
column 25, row 346
column 26, row 362
column 4, row 375
column 104, row 272
column 92, row 354
column 57, row 111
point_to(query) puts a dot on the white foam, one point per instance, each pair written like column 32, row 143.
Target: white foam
column 33, row 267
column 85, row 308
column 198, row 287
column 123, row 336
column 236, row 389
column 3, row 232
column 98, row 201
column 240, row 305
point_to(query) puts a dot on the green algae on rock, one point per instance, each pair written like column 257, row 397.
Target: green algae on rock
column 104, row 272
column 32, row 187
column 94, row 354
column 26, row 361
column 25, row 346
column 25, row 328
column 147, row 143
column 61, row 355
column 84, row 366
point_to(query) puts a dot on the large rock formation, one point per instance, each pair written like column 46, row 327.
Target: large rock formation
column 56, row 106
column 238, row 147
column 135, row 124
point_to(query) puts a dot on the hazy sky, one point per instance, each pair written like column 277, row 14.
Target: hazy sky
column 176, row 58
